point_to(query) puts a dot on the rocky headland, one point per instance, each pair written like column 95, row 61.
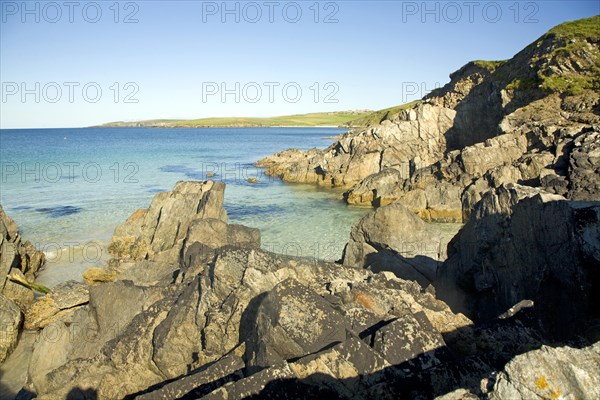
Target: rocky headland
column 191, row 307
column 532, row 120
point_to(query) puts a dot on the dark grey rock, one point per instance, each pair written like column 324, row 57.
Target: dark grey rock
column 177, row 338
column 292, row 321
column 353, row 365
column 253, row 385
column 526, row 246
column 201, row 382
column 410, row 339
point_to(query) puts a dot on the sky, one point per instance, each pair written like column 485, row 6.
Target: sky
column 82, row 63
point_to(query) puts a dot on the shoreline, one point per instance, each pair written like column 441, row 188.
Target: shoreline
column 212, row 126
column 69, row 263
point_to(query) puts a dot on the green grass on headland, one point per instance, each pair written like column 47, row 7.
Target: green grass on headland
column 577, row 37
column 377, row 117
column 489, row 65
column 314, row 119
column 586, row 28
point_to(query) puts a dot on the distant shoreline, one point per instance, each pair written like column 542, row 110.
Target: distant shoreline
column 216, row 126
column 333, row 119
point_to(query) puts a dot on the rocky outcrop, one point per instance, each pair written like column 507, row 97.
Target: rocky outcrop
column 522, row 243
column 414, row 138
column 17, row 257
column 392, row 238
column 532, row 120
column 20, row 260
column 164, row 336
column 158, row 232
column 156, row 239
column 11, row 319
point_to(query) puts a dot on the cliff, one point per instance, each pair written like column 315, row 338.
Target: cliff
column 532, row 120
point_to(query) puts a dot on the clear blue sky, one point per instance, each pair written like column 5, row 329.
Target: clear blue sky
column 378, row 54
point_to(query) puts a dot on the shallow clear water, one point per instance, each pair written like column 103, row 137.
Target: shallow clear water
column 68, row 188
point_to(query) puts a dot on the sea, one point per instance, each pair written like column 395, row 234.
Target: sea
column 68, row 189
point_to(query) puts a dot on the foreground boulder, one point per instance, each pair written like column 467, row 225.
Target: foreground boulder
column 526, row 244
column 292, row 321
column 65, row 298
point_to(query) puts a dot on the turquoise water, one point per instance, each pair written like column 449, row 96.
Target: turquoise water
column 69, row 188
